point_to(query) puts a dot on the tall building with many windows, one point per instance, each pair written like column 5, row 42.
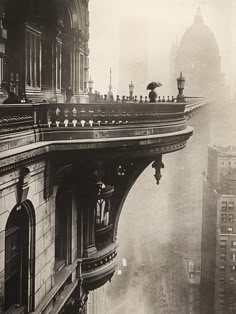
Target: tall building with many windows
column 218, row 261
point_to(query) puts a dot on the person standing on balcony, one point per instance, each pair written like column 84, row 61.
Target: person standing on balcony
column 152, row 94
column 69, row 94
column 12, row 99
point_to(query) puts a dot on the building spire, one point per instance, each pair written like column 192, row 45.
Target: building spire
column 198, row 18
column 110, row 93
column 199, row 11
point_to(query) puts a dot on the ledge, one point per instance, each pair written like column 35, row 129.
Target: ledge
column 63, row 298
column 60, row 279
column 149, row 145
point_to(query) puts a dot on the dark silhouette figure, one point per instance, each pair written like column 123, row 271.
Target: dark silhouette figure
column 152, row 96
column 12, row 99
column 69, row 94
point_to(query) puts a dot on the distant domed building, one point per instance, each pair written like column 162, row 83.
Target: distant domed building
column 197, row 56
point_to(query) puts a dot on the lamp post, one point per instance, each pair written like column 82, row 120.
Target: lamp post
column 90, row 85
column 131, row 91
column 180, row 85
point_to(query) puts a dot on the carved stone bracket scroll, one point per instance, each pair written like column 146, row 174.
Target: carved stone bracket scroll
column 158, row 165
column 23, row 185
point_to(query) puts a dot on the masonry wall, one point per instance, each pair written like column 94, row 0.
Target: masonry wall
column 44, row 229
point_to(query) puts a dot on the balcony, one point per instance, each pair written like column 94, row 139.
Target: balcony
column 97, row 271
column 34, row 123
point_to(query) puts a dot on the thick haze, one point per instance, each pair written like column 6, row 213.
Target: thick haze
column 157, row 25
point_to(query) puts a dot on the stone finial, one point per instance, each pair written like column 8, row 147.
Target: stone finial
column 158, row 165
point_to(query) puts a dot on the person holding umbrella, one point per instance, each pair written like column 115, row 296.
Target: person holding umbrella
column 152, row 94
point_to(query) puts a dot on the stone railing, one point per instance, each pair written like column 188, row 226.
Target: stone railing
column 97, row 115
column 193, row 103
column 44, row 122
column 15, row 118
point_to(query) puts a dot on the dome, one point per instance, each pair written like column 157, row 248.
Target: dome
column 199, row 40
column 199, row 60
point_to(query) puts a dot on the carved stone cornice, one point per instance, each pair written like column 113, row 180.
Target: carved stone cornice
column 21, row 164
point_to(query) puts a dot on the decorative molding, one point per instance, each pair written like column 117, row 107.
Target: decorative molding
column 48, row 179
column 21, row 163
column 158, row 165
column 23, row 185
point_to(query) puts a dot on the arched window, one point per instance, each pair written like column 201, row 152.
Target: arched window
column 102, row 212
column 103, row 225
column 19, row 252
column 103, row 204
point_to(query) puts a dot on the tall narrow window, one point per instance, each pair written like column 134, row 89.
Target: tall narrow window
column 103, row 206
column 224, row 206
column 58, row 65
column 63, row 228
column 33, row 57
column 81, row 78
column 233, row 257
column 231, row 206
column 102, row 213
column 1, row 65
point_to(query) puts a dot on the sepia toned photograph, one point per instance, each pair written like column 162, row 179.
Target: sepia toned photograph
column 117, row 157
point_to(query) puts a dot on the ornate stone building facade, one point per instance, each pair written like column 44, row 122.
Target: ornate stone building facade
column 44, row 49
column 66, row 167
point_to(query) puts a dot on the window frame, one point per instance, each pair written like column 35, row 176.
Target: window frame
column 33, row 58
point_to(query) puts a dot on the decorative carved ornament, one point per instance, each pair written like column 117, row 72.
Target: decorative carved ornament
column 23, row 185
column 158, row 165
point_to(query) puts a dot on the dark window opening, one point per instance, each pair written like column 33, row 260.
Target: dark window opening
column 63, row 228
column 16, row 259
column 33, row 57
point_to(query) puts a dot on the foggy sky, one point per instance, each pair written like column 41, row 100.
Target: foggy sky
column 166, row 21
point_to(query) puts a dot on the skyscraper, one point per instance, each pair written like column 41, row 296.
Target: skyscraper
column 218, row 261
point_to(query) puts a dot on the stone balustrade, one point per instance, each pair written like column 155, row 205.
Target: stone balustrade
column 137, row 99
column 23, row 124
column 98, row 115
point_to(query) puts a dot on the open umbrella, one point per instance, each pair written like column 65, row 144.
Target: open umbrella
column 153, row 85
